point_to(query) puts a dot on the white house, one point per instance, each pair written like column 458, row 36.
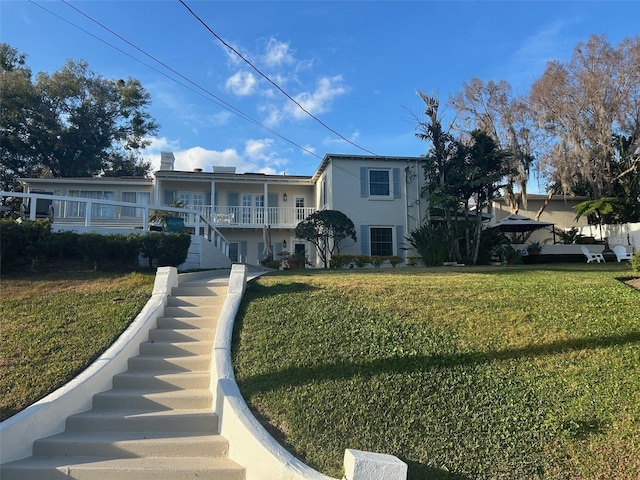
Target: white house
column 381, row 195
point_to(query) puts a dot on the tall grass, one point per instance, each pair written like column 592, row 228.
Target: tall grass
column 518, row 373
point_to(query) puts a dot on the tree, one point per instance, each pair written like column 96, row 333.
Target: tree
column 493, row 109
column 71, row 123
column 326, row 230
column 584, row 106
column 18, row 105
column 459, row 172
column 444, row 172
column 487, row 167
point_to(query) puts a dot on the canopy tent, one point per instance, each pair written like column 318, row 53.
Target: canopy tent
column 515, row 223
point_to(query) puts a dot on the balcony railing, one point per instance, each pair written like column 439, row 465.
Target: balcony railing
column 113, row 215
column 285, row 217
column 99, row 212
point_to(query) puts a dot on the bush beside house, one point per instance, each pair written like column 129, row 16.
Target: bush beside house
column 31, row 243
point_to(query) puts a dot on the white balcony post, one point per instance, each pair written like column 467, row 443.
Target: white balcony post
column 87, row 213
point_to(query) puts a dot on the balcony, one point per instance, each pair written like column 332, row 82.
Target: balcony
column 253, row 217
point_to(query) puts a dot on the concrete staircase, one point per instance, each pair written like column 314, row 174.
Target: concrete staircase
column 157, row 421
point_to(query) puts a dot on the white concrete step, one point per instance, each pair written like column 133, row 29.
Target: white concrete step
column 191, row 311
column 161, row 380
column 193, row 363
column 101, row 468
column 179, row 323
column 176, row 349
column 141, row 399
column 194, row 301
column 144, row 420
column 200, row 290
column 181, row 334
column 131, row 444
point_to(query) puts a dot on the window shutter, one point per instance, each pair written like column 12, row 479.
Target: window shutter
column 272, row 199
column 261, row 250
column 364, row 239
column 396, row 183
column 363, row 182
column 399, row 239
column 233, row 199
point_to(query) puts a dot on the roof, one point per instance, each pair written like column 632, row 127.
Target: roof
column 232, row 177
column 331, row 156
column 85, row 180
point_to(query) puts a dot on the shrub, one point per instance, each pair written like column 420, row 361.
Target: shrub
column 65, row 245
column 431, row 242
column 635, row 262
column 377, row 260
column 12, row 239
column 340, row 260
column 491, row 241
column 361, row 260
column 173, row 250
column 167, row 249
column 92, row 248
column 394, row 260
column 150, row 244
column 123, row 249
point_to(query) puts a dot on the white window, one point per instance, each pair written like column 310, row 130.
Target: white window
column 379, row 184
column 246, row 207
column 78, row 209
column 140, row 198
column 259, row 209
column 300, row 212
column 197, row 200
column 381, row 239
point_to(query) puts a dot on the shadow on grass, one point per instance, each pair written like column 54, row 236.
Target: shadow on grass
column 420, row 470
column 294, row 376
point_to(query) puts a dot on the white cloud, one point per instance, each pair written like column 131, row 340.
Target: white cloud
column 318, row 101
column 277, row 54
column 257, row 155
column 271, row 113
column 242, row 83
column 198, row 157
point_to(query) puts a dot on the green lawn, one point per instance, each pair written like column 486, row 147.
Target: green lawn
column 469, row 373
column 54, row 325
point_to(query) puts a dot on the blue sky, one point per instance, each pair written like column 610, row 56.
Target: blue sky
column 355, row 65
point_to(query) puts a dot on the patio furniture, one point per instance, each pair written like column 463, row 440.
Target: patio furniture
column 592, row 256
column 44, row 209
column 621, row 253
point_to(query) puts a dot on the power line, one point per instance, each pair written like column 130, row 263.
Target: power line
column 272, row 82
column 220, row 102
column 209, row 95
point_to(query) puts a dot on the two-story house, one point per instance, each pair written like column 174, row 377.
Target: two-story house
column 381, row 195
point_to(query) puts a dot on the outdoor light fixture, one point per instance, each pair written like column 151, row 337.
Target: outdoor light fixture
column 284, row 197
column 284, row 244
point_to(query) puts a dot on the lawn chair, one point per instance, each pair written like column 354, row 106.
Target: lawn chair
column 621, row 253
column 44, row 209
column 592, row 256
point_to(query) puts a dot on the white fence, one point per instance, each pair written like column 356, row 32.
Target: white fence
column 627, row 234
